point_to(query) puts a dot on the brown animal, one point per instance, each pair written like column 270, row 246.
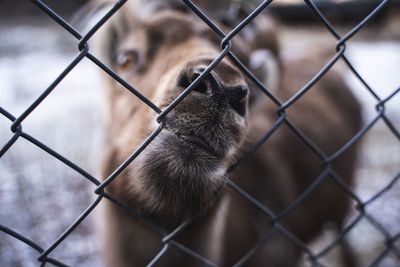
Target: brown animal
column 161, row 50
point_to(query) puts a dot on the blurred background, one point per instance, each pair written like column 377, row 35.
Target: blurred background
column 40, row 197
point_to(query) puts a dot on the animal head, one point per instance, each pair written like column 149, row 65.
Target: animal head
column 161, row 50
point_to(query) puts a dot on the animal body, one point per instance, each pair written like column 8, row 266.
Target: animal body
column 161, row 50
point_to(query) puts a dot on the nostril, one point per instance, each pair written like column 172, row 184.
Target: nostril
column 186, row 79
column 183, row 81
column 239, row 92
column 237, row 99
column 202, row 86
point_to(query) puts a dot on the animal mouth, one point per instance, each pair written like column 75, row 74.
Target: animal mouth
column 200, row 143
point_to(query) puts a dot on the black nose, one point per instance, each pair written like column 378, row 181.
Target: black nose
column 237, row 98
column 207, row 85
column 211, row 86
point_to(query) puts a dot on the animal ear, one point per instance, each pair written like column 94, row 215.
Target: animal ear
column 105, row 42
column 111, row 37
column 261, row 37
column 266, row 68
column 107, row 38
column 260, row 33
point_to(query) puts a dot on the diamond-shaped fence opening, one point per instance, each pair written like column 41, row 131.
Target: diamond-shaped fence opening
column 39, row 191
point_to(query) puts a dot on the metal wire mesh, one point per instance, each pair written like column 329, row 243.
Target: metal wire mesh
column 168, row 238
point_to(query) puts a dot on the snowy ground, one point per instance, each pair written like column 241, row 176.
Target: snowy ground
column 40, row 197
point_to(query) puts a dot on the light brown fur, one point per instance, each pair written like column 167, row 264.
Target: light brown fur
column 173, row 179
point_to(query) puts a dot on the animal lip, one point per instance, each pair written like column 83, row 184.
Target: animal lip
column 198, row 142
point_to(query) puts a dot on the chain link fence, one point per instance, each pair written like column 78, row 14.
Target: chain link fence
column 390, row 240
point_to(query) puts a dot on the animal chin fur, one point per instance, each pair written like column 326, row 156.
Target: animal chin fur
column 178, row 180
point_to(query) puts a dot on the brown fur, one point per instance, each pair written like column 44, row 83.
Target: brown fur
column 172, row 179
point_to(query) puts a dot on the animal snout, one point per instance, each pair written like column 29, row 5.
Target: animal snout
column 211, row 119
column 221, row 86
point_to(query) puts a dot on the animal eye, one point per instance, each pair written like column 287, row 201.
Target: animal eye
column 127, row 59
